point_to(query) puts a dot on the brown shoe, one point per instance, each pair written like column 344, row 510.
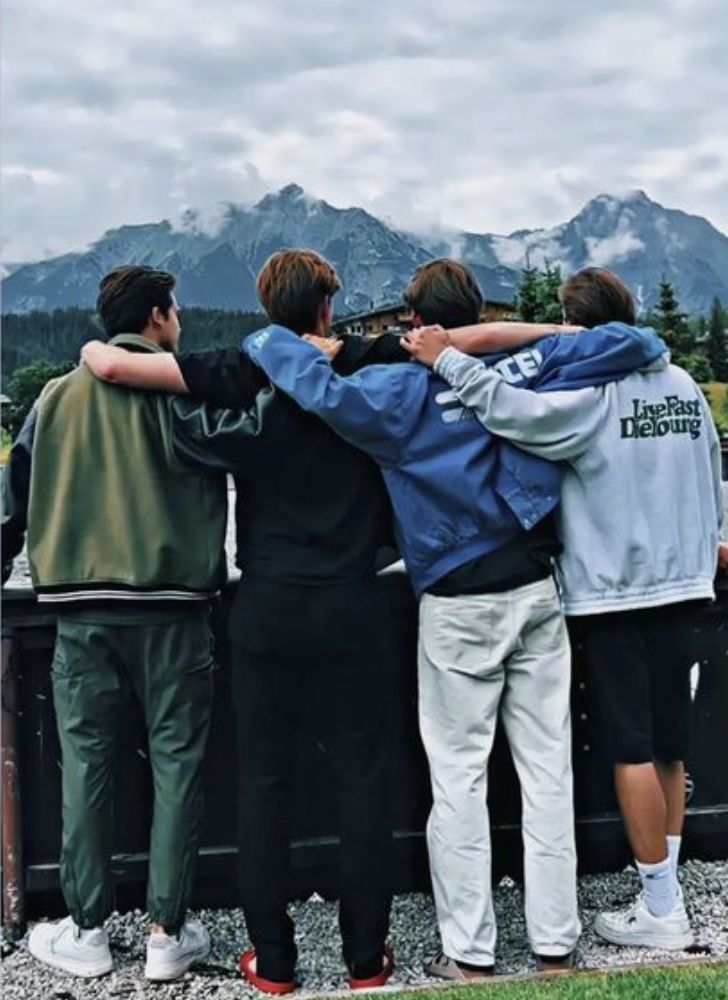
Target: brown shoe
column 554, row 964
column 443, row 967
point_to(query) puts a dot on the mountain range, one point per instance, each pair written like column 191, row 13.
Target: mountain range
column 216, row 263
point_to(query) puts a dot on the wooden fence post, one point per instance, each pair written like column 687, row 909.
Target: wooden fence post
column 13, row 883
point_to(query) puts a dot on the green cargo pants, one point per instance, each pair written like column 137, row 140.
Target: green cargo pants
column 101, row 659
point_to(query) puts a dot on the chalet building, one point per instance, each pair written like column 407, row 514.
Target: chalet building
column 397, row 316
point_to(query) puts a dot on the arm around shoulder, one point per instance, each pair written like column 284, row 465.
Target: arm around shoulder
column 138, row 371
column 487, row 338
column 554, row 425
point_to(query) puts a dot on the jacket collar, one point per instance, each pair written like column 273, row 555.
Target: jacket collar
column 136, row 341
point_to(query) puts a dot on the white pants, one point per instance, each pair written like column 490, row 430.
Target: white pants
column 476, row 652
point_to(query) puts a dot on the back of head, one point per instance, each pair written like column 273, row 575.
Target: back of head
column 128, row 294
column 446, row 292
column 294, row 285
column 594, row 296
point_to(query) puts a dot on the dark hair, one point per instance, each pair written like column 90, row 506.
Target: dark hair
column 446, row 292
column 128, row 294
column 293, row 285
column 594, row 296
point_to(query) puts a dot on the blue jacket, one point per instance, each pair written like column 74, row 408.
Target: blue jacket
column 458, row 492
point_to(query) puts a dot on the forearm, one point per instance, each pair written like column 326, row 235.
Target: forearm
column 485, row 338
column 138, row 371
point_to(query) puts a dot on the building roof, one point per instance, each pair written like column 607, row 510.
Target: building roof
column 368, row 313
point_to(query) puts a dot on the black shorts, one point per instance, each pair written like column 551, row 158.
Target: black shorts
column 637, row 667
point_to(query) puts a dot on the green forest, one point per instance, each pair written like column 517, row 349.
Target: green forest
column 57, row 337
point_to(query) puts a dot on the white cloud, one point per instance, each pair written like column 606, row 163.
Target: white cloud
column 485, row 117
column 613, row 248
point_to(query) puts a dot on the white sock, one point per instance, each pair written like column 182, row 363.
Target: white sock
column 673, row 849
column 658, row 887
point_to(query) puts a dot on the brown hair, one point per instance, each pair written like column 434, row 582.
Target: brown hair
column 596, row 295
column 446, row 292
column 128, row 294
column 293, row 285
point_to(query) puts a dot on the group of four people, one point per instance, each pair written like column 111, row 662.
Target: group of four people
column 537, row 471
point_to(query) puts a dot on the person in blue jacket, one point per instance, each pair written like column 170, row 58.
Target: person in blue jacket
column 475, row 530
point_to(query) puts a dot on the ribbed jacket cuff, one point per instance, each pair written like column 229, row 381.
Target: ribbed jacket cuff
column 452, row 365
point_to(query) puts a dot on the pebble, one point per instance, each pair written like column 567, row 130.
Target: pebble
column 413, row 934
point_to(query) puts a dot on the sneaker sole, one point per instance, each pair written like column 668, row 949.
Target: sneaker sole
column 82, row 969
column 162, row 975
column 668, row 942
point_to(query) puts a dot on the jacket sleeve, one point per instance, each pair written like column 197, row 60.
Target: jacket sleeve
column 375, row 410
column 603, row 354
column 217, row 439
column 554, row 425
column 16, row 493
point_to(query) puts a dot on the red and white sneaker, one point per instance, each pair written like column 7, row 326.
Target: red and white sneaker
column 248, row 970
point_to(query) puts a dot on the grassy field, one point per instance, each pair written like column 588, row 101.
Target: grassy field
column 5, row 443
column 702, row 982
column 717, row 394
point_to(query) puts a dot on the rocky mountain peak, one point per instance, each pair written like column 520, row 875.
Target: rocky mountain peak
column 216, row 253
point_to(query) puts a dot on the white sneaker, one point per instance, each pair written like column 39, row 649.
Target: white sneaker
column 636, row 927
column 170, row 955
column 65, row 946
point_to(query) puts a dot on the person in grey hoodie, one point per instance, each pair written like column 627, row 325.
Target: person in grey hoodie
column 640, row 521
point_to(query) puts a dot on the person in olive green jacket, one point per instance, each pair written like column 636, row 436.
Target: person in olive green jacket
column 127, row 544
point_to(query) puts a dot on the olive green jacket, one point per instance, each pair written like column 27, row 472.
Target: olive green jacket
column 111, row 512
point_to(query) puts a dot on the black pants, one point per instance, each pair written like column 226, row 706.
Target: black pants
column 299, row 650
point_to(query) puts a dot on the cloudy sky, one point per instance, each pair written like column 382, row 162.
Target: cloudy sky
column 487, row 115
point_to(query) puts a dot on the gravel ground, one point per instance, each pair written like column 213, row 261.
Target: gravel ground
column 413, row 934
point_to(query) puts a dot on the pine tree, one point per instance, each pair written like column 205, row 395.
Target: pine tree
column 550, row 305
column 537, row 298
column 673, row 325
column 697, row 366
column 717, row 341
column 527, row 295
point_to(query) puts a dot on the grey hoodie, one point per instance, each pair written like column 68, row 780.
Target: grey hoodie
column 641, row 502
